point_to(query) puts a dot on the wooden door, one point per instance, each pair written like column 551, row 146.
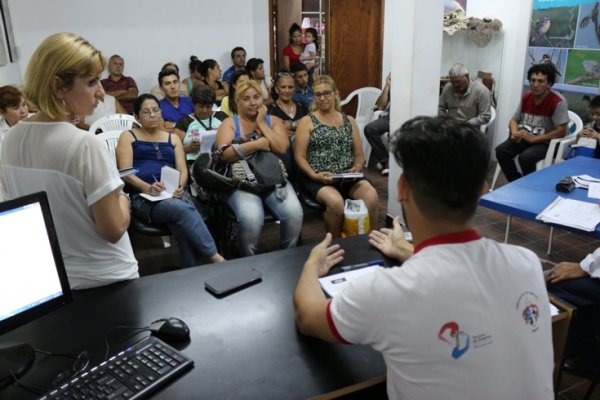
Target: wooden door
column 355, row 43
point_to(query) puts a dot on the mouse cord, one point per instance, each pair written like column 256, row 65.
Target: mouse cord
column 137, row 330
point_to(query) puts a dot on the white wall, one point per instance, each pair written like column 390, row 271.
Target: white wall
column 147, row 33
column 515, row 16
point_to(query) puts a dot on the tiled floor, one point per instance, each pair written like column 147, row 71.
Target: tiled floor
column 566, row 246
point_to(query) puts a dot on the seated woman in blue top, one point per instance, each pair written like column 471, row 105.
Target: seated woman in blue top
column 149, row 149
column 248, row 207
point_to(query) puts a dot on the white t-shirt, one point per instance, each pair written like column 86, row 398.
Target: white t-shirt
column 463, row 318
column 75, row 169
column 309, row 48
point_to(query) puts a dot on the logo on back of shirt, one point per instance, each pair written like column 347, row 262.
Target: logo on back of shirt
column 528, row 307
column 450, row 333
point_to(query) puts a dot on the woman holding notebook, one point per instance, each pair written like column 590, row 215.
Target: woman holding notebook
column 154, row 196
column 327, row 145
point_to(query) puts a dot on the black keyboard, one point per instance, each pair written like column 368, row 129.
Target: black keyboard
column 132, row 374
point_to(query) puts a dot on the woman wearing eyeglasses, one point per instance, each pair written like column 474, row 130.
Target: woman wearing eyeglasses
column 149, row 149
column 255, row 131
column 328, row 143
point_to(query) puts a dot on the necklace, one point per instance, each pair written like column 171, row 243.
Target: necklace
column 291, row 111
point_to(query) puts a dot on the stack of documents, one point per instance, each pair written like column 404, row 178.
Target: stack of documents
column 584, row 181
column 333, row 284
column 573, row 213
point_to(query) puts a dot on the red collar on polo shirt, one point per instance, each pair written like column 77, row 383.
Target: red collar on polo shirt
column 451, row 238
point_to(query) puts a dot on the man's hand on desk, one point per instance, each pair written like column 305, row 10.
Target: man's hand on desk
column 391, row 242
column 325, row 256
column 566, row 270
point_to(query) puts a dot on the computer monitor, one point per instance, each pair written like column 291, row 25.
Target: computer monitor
column 33, row 280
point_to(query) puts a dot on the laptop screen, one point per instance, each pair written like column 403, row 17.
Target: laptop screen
column 33, row 279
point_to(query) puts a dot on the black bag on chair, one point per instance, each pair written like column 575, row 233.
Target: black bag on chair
column 210, row 180
column 259, row 172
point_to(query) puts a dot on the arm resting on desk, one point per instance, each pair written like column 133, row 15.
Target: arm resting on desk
column 310, row 303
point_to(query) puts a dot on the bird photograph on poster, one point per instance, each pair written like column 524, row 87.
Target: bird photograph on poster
column 557, row 58
column 588, row 34
column 583, row 67
column 553, row 27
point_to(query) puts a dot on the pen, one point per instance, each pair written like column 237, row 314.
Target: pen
column 155, row 180
column 361, row 265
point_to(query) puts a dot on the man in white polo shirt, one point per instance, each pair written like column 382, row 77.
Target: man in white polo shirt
column 464, row 317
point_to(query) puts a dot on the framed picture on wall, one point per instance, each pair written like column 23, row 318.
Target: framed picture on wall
column 8, row 41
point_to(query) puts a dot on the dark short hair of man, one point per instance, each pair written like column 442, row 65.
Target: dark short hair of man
column 203, row 95
column 238, row 48
column 166, row 72
column 445, row 162
column 544, row 69
column 297, row 67
column 595, row 102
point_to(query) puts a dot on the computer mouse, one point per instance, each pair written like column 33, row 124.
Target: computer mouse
column 170, row 330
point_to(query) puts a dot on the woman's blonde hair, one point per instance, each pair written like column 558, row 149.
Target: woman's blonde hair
column 243, row 87
column 66, row 56
column 326, row 80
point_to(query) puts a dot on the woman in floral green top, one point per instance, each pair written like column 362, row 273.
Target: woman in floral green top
column 328, row 143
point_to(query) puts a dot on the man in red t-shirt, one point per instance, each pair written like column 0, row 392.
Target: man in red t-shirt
column 541, row 116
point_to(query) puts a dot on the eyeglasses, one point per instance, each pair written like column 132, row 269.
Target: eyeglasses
column 277, row 75
column 150, row 111
column 325, row 95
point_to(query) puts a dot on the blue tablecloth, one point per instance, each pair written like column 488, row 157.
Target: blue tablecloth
column 528, row 196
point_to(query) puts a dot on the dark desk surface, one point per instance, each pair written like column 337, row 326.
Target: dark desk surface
column 245, row 346
column 528, row 196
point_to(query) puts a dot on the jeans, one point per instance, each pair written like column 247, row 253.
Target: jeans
column 249, row 212
column 373, row 132
column 185, row 222
column 528, row 156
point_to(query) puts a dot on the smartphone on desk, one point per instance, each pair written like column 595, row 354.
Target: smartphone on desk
column 232, row 281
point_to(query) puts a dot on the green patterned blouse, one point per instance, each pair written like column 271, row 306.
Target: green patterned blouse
column 330, row 147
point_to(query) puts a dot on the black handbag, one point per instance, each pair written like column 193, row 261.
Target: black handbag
column 259, row 172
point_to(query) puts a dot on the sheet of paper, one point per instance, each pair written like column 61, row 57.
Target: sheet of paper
column 333, row 284
column 594, row 191
column 170, row 178
column 574, row 213
column 348, row 175
column 553, row 310
column 207, row 140
column 583, row 181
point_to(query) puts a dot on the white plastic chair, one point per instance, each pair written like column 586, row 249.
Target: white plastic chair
column 367, row 97
column 111, row 138
column 574, row 126
column 483, row 128
column 563, row 146
column 113, row 122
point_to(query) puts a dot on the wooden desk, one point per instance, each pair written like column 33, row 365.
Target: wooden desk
column 245, row 346
column 561, row 324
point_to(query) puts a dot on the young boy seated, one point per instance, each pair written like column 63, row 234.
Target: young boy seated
column 589, row 136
